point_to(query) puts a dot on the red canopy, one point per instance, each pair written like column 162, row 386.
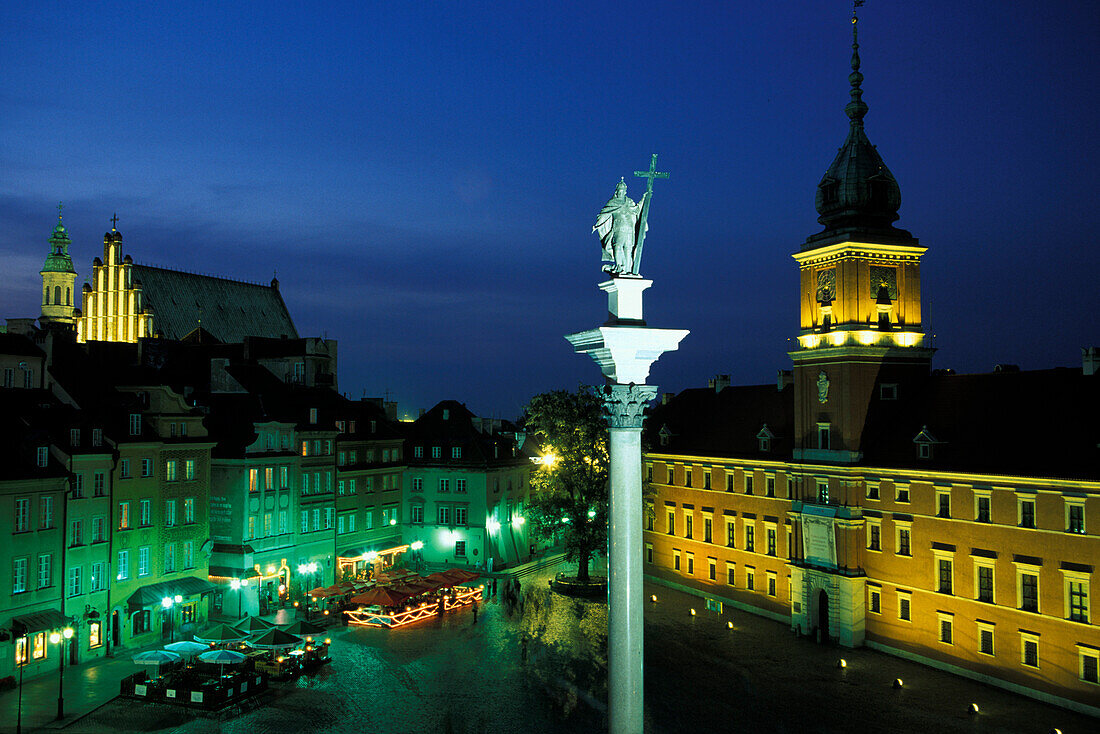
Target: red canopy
column 461, row 575
column 442, row 579
column 381, row 596
column 324, row 591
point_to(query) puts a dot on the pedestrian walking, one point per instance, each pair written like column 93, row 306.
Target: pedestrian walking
column 494, row 588
column 475, row 611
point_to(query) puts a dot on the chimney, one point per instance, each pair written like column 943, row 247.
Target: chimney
column 666, row 397
column 783, row 378
column 1089, row 358
column 719, row 382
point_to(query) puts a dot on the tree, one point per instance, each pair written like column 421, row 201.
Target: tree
column 569, row 490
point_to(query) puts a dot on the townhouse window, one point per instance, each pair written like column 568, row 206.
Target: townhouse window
column 123, row 515
column 729, row 481
column 706, row 480
column 283, row 529
column 95, row 635
column 98, row 581
column 1027, row 513
column 341, row 458
column 284, row 480
column 315, row 449
column 170, row 470
column 418, row 452
column 189, row 511
column 985, row 583
column 135, row 424
column 417, row 514
column 905, row 606
column 269, row 477
column 97, row 436
column 750, row 578
column 444, row 485
column 251, row 527
column 731, row 574
column 340, row 525
column 874, row 604
column 772, row 584
column 267, row 524
column 1029, row 649
column 1075, row 517
column 460, row 486
column 688, row 523
column 147, row 467
column 671, row 514
column 750, row 537
column 183, row 428
column 772, row 537
column 649, row 472
column 456, row 452
column 649, row 553
column 74, row 436
column 78, row 481
column 981, row 507
column 460, row 515
column 437, row 451
column 328, row 482
column 946, row 628
column 19, row 576
column 328, row 447
column 675, row 560
column 731, row 533
column 305, row 448
column 99, row 529
column 171, row 430
column 143, row 561
column 418, row 484
column 444, row 515
column 708, row 527
column 649, row 520
column 22, row 515
column 123, row 565
column 1028, row 589
column 169, row 513
column 305, row 521
column 341, row 487
column 124, row 468
column 45, row 513
column 748, row 482
column 169, row 557
column 305, row 482
column 146, row 513
column 76, row 533
column 43, row 455
column 690, row 564
column 460, row 548
column 189, row 554
column 943, row 503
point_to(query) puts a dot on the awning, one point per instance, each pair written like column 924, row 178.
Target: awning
column 152, row 594
column 46, row 619
column 381, row 547
column 227, row 572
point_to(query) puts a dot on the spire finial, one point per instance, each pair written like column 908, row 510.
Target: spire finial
column 857, row 108
column 60, row 206
column 114, row 222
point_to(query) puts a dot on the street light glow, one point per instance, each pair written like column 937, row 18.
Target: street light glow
column 235, row 584
column 166, row 602
column 416, row 545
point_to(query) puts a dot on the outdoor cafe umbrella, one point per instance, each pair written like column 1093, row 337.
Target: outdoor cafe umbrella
column 254, row 625
column 380, row 595
column 186, row 647
column 460, row 575
column 442, row 579
column 222, row 657
column 323, row 591
column 156, row 657
column 424, row 584
column 302, row 628
column 222, row 633
column 275, row 639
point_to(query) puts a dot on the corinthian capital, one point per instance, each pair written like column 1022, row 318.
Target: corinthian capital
column 624, row 405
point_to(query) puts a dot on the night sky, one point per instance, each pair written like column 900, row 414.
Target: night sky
column 424, row 176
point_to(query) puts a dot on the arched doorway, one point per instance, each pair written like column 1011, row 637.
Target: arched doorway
column 116, row 628
column 822, row 615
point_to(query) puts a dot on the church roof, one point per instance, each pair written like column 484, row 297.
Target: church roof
column 59, row 261
column 228, row 310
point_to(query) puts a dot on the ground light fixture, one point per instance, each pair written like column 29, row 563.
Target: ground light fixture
column 973, row 708
column 898, row 683
column 653, row 598
column 692, row 611
column 842, row 663
column 729, row 625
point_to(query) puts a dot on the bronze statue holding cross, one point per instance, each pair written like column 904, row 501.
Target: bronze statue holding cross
column 622, row 225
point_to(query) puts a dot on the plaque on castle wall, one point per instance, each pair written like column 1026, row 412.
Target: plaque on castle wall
column 818, row 536
column 884, row 276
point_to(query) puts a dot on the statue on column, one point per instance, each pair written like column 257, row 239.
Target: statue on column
column 618, row 227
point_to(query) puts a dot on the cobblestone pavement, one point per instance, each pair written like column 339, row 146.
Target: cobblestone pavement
column 454, row 675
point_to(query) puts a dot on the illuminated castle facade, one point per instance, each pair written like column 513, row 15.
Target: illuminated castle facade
column 868, row 500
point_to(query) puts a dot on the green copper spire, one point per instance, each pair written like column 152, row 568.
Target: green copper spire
column 857, row 198
column 58, row 261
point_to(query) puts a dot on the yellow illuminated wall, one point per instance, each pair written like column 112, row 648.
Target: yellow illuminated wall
column 112, row 304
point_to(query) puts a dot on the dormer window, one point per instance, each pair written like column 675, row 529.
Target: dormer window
column 664, row 436
column 43, row 455
column 436, row 452
column 888, row 391
column 764, row 438
column 456, row 452
column 925, row 443
column 418, row 452
column 135, row 424
column 74, row 436
column 313, row 415
column 340, row 426
column 97, row 436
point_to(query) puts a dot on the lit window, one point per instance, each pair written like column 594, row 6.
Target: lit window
column 456, row 452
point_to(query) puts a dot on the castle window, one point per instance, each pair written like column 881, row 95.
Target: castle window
column 57, row 295
column 823, row 438
column 1026, row 511
column 1075, row 516
column 888, row 392
column 1029, row 649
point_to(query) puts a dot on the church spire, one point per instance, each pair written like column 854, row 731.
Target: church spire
column 857, row 198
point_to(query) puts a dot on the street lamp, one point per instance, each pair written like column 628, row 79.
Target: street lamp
column 236, row 585
column 61, row 637
column 22, row 661
column 417, row 546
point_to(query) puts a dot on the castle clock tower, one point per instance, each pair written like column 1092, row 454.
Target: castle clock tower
column 58, row 279
column 861, row 339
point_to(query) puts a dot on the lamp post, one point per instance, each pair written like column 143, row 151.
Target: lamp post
column 60, row 637
column 168, row 602
column 418, row 546
column 236, row 585
column 22, row 664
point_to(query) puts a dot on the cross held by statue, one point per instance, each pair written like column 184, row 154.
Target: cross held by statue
column 651, row 174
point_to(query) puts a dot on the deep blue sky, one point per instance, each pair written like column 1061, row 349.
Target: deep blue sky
column 424, row 176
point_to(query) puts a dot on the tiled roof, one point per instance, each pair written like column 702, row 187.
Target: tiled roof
column 229, row 310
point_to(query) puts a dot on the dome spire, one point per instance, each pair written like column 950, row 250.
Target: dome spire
column 857, row 108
